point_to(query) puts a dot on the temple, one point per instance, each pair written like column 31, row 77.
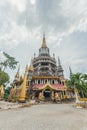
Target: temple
column 44, row 78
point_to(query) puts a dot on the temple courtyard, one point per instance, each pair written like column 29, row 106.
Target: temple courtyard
column 44, row 117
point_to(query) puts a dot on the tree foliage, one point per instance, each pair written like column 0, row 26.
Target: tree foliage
column 4, row 78
column 7, row 92
column 9, row 62
column 79, row 81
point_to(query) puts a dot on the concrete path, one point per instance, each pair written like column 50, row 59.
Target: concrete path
column 44, row 117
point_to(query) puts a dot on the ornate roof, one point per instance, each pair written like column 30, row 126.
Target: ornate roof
column 51, row 86
column 48, row 77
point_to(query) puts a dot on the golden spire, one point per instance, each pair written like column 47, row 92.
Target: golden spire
column 31, row 66
column 26, row 70
column 44, row 41
column 17, row 74
column 2, row 91
column 23, row 89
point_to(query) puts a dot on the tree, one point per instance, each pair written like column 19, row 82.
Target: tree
column 7, row 92
column 84, row 80
column 79, row 81
column 4, row 78
column 8, row 62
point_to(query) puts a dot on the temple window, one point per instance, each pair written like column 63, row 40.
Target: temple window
column 64, row 93
column 38, row 81
column 45, row 81
column 62, row 83
column 53, row 82
column 59, row 82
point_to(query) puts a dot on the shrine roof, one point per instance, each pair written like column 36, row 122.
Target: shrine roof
column 50, row 86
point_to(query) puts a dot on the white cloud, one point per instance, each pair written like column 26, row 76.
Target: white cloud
column 76, row 13
column 20, row 4
column 33, row 2
column 15, row 36
column 83, row 25
column 65, row 21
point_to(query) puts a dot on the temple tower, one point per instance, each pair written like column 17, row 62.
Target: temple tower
column 70, row 70
column 60, row 69
column 30, row 70
column 44, row 64
column 17, row 76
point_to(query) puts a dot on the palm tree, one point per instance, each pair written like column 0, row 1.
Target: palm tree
column 77, row 81
column 84, row 86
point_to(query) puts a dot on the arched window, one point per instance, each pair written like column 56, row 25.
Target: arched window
column 62, row 83
column 38, row 81
column 45, row 81
column 59, row 82
column 53, row 82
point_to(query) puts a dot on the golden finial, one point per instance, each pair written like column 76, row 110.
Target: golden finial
column 44, row 41
column 17, row 74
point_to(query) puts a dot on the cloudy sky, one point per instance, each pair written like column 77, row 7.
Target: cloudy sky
column 22, row 23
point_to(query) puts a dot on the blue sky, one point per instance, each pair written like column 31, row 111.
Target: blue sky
column 22, row 23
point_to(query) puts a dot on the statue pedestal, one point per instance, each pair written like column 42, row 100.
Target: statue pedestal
column 22, row 100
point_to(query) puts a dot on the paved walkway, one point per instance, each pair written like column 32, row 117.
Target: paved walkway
column 44, row 117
